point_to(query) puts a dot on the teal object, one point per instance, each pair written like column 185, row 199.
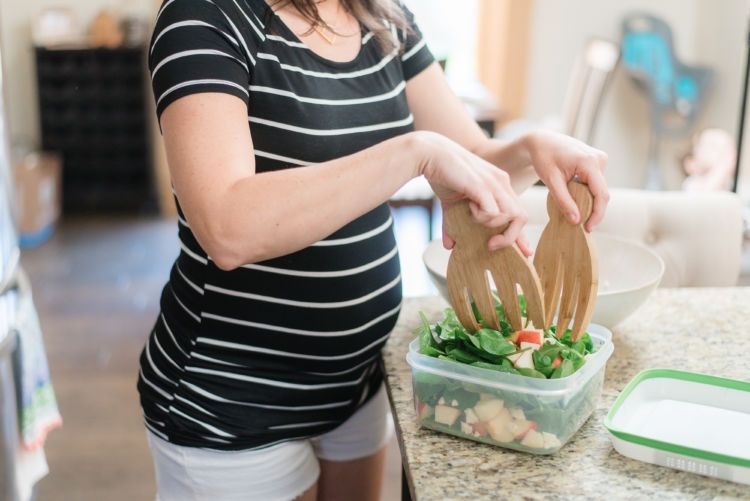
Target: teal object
column 672, row 87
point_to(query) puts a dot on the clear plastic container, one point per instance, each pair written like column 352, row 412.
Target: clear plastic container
column 508, row 410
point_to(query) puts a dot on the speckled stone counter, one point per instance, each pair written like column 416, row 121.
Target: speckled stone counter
column 704, row 330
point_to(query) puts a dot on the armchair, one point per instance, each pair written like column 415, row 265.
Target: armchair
column 699, row 235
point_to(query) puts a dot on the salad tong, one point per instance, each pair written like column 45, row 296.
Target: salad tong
column 566, row 261
column 469, row 266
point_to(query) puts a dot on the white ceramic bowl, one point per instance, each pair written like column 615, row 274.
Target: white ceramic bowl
column 628, row 273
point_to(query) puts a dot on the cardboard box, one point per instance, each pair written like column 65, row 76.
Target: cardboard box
column 38, row 178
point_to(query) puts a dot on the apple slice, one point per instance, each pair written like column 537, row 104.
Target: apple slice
column 446, row 414
column 517, row 413
column 488, row 409
column 471, row 416
column 550, row 440
column 522, row 427
column 523, row 359
column 533, row 439
column 501, row 426
column 479, row 429
column 557, row 361
column 528, row 336
column 424, row 411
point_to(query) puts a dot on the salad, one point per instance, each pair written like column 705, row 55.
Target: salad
column 529, row 421
column 530, row 352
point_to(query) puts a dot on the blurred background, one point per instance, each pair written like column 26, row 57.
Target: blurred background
column 659, row 85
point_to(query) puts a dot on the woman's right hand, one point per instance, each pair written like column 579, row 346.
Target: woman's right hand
column 455, row 174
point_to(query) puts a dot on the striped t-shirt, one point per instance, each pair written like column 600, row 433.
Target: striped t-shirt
column 286, row 348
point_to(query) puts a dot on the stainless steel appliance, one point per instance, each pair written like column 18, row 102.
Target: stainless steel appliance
column 9, row 270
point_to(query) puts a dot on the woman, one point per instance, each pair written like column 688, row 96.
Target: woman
column 288, row 125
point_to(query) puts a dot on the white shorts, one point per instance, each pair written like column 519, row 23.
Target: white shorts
column 278, row 473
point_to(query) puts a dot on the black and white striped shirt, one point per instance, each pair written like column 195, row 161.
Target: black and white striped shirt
column 287, row 348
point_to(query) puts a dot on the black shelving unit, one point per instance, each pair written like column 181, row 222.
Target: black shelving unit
column 92, row 108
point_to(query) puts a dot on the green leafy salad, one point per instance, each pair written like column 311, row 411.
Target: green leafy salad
column 529, row 352
column 525, row 420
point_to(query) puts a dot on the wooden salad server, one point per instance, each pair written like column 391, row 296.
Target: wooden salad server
column 565, row 259
column 467, row 277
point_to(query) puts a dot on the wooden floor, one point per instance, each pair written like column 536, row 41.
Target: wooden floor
column 96, row 285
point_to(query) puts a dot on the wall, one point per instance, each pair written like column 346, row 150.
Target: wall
column 15, row 29
column 705, row 32
column 455, row 41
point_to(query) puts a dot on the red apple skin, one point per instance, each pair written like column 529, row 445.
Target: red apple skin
column 479, row 428
column 531, row 425
column 528, row 336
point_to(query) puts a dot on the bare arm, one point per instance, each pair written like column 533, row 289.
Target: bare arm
column 554, row 158
column 240, row 216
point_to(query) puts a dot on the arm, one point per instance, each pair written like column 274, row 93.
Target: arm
column 554, row 158
column 240, row 216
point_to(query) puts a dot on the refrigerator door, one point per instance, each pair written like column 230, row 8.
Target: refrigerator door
column 9, row 252
column 8, row 409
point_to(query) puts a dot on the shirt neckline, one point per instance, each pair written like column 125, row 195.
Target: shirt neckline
column 291, row 36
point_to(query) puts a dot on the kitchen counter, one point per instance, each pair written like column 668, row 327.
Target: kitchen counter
column 703, row 330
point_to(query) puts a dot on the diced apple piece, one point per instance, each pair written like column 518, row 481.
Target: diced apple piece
column 467, row 428
column 523, row 360
column 499, row 427
column 446, row 414
column 488, row 409
column 533, row 439
column 522, row 427
column 480, row 429
column 550, row 440
column 528, row 336
column 487, row 396
column 517, row 413
column 471, row 416
column 424, row 411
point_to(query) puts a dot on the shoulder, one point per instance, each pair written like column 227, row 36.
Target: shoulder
column 239, row 13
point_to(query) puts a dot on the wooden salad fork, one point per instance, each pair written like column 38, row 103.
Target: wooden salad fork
column 566, row 261
column 467, row 275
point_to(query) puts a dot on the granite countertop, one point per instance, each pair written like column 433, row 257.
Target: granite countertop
column 702, row 330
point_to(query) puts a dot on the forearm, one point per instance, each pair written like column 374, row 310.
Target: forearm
column 265, row 215
column 512, row 157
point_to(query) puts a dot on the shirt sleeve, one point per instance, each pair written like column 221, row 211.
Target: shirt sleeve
column 416, row 55
column 197, row 47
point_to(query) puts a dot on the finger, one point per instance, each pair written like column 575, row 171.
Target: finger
column 484, row 208
column 598, row 187
column 601, row 199
column 524, row 244
column 508, row 236
column 593, row 176
column 448, row 242
column 558, row 187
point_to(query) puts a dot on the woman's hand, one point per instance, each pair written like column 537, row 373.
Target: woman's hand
column 455, row 173
column 557, row 159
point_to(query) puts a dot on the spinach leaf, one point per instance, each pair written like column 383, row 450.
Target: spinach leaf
column 489, row 348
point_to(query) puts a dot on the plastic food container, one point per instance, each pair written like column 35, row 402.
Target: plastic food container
column 508, row 410
column 686, row 421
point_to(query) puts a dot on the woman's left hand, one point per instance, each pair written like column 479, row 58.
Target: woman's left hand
column 557, row 159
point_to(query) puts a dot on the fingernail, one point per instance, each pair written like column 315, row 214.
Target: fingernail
column 572, row 217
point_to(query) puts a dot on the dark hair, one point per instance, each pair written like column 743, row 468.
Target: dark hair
column 377, row 16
